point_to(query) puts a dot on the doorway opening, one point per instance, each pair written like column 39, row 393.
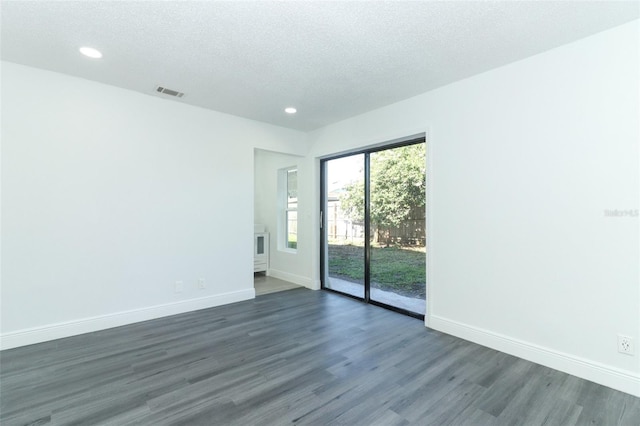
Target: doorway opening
column 373, row 219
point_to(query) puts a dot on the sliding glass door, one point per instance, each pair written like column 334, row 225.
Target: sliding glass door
column 343, row 215
column 397, row 227
column 374, row 232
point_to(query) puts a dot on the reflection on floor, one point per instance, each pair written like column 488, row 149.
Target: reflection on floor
column 265, row 284
column 386, row 297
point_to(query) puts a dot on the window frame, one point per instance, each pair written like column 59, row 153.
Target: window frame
column 285, row 209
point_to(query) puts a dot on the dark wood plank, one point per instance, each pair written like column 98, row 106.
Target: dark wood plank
column 294, row 357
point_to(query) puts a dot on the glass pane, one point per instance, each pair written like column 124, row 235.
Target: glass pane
column 344, row 225
column 260, row 244
column 398, row 254
column 292, row 186
column 291, row 219
column 292, row 229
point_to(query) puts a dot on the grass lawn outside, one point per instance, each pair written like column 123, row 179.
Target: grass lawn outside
column 397, row 269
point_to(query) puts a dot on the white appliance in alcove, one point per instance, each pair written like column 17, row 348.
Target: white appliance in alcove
column 260, row 248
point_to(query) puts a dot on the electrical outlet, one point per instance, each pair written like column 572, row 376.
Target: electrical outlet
column 178, row 287
column 625, row 344
column 201, row 284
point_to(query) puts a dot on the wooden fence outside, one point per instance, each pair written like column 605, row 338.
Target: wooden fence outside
column 342, row 229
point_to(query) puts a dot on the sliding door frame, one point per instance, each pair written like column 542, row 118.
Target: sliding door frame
column 367, row 222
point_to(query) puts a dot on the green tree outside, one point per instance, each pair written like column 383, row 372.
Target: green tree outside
column 398, row 187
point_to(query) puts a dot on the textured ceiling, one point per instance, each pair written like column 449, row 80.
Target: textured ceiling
column 331, row 60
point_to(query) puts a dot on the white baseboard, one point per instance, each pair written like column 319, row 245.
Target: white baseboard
column 293, row 278
column 87, row 325
column 622, row 380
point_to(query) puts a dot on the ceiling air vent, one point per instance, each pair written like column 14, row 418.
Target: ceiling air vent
column 169, row 92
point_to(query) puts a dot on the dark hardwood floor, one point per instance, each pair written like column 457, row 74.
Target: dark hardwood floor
column 296, row 357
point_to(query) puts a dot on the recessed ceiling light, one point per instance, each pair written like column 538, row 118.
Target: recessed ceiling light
column 290, row 110
column 91, row 52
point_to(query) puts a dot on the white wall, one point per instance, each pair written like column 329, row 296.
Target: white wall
column 296, row 266
column 110, row 196
column 525, row 159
